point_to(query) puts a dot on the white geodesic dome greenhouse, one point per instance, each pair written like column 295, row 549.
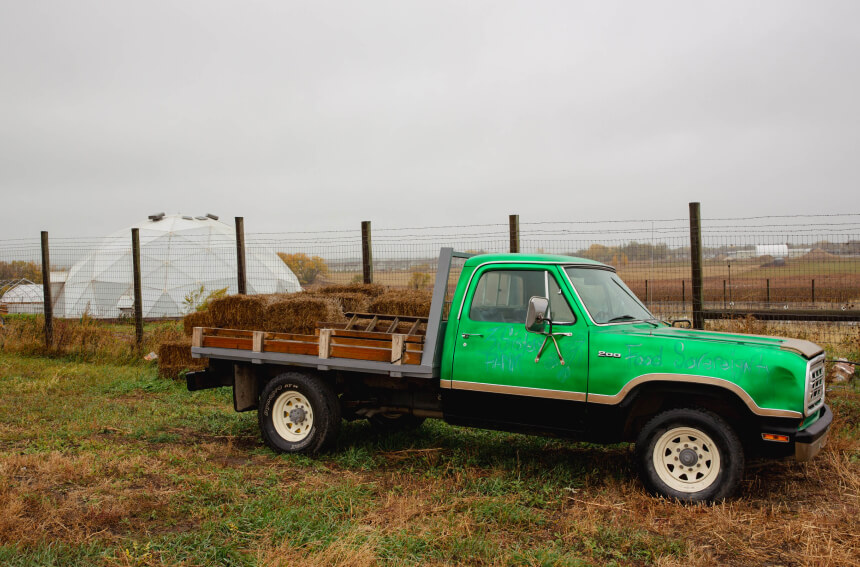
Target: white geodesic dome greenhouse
column 178, row 255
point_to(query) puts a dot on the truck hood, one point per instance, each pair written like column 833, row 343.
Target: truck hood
column 805, row 349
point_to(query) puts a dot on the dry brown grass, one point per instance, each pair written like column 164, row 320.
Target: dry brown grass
column 421, row 498
column 787, row 514
column 351, row 550
column 83, row 339
column 75, row 498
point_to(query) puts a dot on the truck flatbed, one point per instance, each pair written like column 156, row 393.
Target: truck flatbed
column 356, row 345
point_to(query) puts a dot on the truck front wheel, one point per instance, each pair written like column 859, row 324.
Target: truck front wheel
column 690, row 455
column 298, row 413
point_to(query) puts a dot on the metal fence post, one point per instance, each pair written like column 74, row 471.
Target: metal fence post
column 46, row 291
column 366, row 253
column 514, row 223
column 240, row 256
column 696, row 265
column 813, row 290
column 138, row 294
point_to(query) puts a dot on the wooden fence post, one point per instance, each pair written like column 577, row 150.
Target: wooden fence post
column 46, row 291
column 696, row 265
column 138, row 293
column 240, row 256
column 514, row 224
column 366, row 253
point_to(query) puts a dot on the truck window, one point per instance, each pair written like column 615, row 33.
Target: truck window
column 503, row 295
column 559, row 309
column 606, row 297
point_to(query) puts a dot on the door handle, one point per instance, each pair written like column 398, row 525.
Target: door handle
column 467, row 335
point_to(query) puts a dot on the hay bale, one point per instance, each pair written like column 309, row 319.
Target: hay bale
column 411, row 303
column 175, row 357
column 300, row 313
column 238, row 312
column 351, row 302
column 196, row 319
column 370, row 290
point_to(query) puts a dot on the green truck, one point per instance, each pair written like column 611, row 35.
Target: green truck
column 550, row 345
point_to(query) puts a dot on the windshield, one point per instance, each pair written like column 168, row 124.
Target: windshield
column 606, row 297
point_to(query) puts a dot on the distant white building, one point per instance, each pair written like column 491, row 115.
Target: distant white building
column 775, row 250
column 25, row 297
column 178, row 255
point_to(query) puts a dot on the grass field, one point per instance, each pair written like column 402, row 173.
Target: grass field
column 104, row 464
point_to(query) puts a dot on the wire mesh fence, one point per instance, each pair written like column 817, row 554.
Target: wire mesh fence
column 801, row 273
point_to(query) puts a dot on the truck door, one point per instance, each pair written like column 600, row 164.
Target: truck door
column 496, row 379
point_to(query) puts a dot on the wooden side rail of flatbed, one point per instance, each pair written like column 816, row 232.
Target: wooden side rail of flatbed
column 394, row 348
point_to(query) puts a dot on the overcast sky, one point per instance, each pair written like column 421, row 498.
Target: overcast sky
column 318, row 115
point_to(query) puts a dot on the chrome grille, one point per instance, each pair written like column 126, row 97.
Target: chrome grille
column 814, row 385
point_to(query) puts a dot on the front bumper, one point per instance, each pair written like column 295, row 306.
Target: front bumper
column 808, row 442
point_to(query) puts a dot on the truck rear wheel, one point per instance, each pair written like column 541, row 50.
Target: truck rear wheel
column 691, row 455
column 298, row 413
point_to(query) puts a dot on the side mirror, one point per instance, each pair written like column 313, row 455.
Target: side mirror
column 536, row 314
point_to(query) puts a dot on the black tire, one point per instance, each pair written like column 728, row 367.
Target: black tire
column 298, row 413
column 696, row 440
column 392, row 423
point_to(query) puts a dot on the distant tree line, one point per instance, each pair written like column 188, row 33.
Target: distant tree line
column 306, row 268
column 20, row 269
column 630, row 252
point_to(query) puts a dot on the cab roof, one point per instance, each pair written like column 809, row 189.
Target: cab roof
column 525, row 258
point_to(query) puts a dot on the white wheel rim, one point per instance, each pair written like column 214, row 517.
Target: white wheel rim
column 292, row 416
column 686, row 459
